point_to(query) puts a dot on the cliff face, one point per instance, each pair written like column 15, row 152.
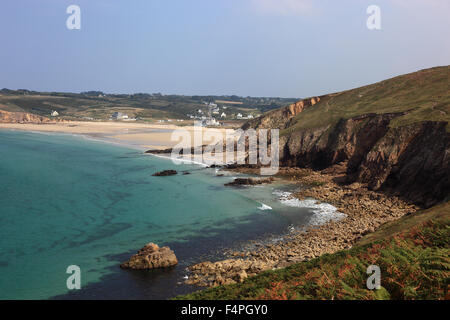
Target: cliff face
column 280, row 118
column 412, row 161
column 22, row 117
column 392, row 135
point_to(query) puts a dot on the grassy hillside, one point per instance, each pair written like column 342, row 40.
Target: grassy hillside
column 100, row 106
column 424, row 95
column 413, row 254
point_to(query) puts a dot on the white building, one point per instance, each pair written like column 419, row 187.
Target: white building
column 210, row 122
column 239, row 116
column 54, row 113
column 119, row 116
column 223, row 115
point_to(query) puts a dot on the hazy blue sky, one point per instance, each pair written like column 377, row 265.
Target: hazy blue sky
column 289, row 48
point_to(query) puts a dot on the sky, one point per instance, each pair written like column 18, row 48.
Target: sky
column 277, row 48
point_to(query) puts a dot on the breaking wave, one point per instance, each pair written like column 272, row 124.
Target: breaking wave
column 264, row 207
column 323, row 212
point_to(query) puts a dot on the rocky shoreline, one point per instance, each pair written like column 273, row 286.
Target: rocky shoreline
column 365, row 211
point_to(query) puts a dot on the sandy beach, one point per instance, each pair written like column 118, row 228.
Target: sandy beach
column 140, row 135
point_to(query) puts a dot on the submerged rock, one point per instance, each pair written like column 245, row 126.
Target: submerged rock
column 151, row 256
column 165, row 173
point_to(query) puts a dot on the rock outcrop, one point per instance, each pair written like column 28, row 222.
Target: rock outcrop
column 280, row 118
column 159, row 151
column 165, row 173
column 23, row 117
column 151, row 257
column 249, row 181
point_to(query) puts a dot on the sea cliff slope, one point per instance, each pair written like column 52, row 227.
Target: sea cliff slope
column 392, row 135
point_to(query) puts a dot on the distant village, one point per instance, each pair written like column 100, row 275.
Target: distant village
column 210, row 118
column 211, row 115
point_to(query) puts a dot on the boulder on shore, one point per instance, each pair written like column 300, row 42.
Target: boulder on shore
column 151, row 256
column 165, row 173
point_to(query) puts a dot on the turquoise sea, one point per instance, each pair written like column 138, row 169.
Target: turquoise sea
column 67, row 200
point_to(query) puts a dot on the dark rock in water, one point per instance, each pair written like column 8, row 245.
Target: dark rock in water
column 158, row 151
column 151, row 256
column 249, row 181
column 165, row 173
column 186, row 172
column 219, row 175
column 169, row 150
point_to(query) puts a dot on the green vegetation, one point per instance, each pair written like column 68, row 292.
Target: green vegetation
column 413, row 254
column 99, row 106
column 423, row 95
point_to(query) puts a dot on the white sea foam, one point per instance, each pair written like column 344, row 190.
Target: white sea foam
column 183, row 160
column 323, row 212
column 264, row 207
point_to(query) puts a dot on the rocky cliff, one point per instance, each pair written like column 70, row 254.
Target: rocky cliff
column 401, row 152
column 22, row 117
column 280, row 118
column 412, row 161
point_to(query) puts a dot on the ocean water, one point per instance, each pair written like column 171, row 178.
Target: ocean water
column 66, row 200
